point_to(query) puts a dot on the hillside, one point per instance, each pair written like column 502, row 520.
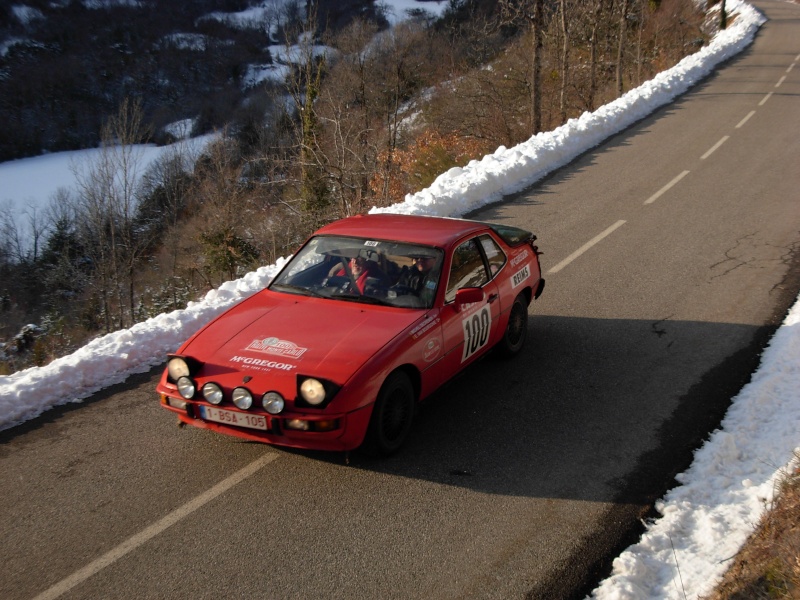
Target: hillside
column 66, row 66
column 310, row 128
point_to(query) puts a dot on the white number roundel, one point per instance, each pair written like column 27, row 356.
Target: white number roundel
column 476, row 331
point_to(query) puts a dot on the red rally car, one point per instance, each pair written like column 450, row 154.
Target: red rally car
column 371, row 316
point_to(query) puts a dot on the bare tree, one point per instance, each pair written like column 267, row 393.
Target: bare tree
column 11, row 247
column 532, row 13
column 401, row 68
column 623, row 19
column 565, row 45
column 227, row 209
column 63, row 272
column 165, row 200
column 304, row 87
column 107, row 199
column 347, row 109
column 10, row 243
column 492, row 105
column 350, row 106
column 594, row 44
column 272, row 11
column 97, row 231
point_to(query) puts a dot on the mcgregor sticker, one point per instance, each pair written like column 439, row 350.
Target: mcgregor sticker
column 261, row 364
column 277, row 347
column 519, row 258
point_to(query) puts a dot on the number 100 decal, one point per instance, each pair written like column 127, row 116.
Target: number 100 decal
column 476, row 331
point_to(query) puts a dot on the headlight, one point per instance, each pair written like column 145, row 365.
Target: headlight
column 212, row 393
column 312, row 391
column 177, row 368
column 186, row 387
column 242, row 398
column 272, row 402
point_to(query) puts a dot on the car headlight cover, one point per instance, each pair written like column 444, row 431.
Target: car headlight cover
column 186, row 387
column 312, row 391
column 273, row 402
column 212, row 393
column 242, row 398
column 177, row 368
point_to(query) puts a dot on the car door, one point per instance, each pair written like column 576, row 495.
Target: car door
column 469, row 327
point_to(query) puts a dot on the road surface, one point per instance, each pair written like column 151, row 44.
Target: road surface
column 671, row 253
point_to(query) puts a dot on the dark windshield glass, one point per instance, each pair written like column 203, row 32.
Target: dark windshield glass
column 345, row 268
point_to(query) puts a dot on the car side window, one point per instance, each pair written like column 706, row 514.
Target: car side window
column 467, row 269
column 494, row 255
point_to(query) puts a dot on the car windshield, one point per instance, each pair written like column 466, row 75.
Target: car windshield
column 363, row 270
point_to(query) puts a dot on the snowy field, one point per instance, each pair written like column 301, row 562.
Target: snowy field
column 721, row 497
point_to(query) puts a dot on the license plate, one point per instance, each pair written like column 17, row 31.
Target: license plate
column 229, row 417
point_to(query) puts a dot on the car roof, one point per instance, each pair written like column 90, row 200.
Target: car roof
column 431, row 231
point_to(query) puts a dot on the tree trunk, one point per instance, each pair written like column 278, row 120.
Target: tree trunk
column 598, row 9
column 564, row 62
column 536, row 83
column 621, row 47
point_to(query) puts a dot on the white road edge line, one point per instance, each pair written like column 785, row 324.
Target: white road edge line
column 746, row 119
column 153, row 530
column 666, row 188
column 586, row 246
column 711, row 150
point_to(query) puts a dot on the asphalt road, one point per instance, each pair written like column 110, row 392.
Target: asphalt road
column 671, row 253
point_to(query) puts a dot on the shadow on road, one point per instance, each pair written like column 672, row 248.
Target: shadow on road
column 594, row 410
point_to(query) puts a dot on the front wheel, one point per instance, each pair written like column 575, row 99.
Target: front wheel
column 391, row 417
column 517, row 329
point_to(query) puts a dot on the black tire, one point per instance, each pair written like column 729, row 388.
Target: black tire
column 392, row 416
column 517, row 329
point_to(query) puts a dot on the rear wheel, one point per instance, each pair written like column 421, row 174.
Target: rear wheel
column 392, row 416
column 517, row 329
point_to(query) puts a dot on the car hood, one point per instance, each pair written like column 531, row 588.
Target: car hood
column 290, row 334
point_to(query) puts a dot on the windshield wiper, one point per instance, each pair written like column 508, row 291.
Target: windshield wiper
column 364, row 299
column 288, row 287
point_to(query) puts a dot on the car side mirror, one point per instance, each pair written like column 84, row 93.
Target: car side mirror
column 468, row 295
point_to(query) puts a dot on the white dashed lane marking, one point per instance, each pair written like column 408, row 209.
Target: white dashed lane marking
column 596, row 239
column 666, row 188
column 132, row 543
column 746, row 119
column 714, row 148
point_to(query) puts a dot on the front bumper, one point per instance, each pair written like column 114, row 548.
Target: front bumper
column 348, row 435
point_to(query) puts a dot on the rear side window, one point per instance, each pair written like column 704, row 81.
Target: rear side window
column 467, row 269
column 494, row 254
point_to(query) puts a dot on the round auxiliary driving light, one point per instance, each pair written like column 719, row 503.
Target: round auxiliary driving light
column 242, row 398
column 177, row 368
column 212, row 393
column 186, row 387
column 312, row 391
column 272, row 402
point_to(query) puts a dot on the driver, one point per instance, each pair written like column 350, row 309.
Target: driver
column 362, row 269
